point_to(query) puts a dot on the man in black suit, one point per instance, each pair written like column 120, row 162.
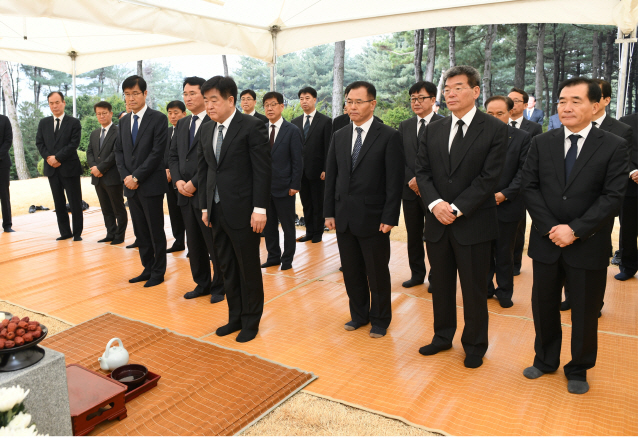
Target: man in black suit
column 364, row 177
column 176, row 110
column 532, row 113
column 57, row 140
column 286, row 161
column 5, row 172
column 183, row 162
column 573, row 184
column 629, row 212
column 139, row 156
column 510, row 204
column 101, row 158
column 459, row 164
column 234, row 170
column 315, row 128
column 517, row 120
column 248, row 104
column 422, row 97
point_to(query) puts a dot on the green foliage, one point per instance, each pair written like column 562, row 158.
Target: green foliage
column 393, row 116
column 82, row 155
column 291, row 112
column 41, row 167
column 89, row 124
column 29, row 119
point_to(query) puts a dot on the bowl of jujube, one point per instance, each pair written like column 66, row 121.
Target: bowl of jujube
column 18, row 334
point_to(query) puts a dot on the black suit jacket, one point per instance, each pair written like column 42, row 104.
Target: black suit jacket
column 6, row 140
column 632, row 120
column 286, row 160
column 261, row 117
column 343, row 120
column 243, row 174
column 145, row 158
column 64, row 146
column 369, row 194
column 408, row 130
column 510, row 182
column 588, row 202
column 469, row 183
column 165, row 158
column 104, row 157
column 531, row 127
column 316, row 145
column 183, row 160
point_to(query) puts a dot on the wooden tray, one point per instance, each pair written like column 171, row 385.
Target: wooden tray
column 149, row 383
column 93, row 399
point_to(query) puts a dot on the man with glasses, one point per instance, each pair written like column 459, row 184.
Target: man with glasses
column 139, row 156
column 422, row 97
column 364, row 178
column 175, row 112
column 101, row 158
column 248, row 104
column 460, row 159
column 57, row 141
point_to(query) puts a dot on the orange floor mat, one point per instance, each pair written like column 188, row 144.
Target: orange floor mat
column 305, row 310
column 204, row 389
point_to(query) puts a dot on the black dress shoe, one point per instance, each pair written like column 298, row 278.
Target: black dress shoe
column 565, row 305
column 316, row 239
column 64, row 237
column 216, row 298
column 340, row 269
column 286, row 267
column 9, row 230
column 228, row 329
column 246, row 335
column 195, row 294
column 431, row 349
column 77, row 239
column 505, row 303
column 133, row 245
column 268, row 264
column 154, row 282
column 472, row 361
column 516, row 272
column 304, row 238
column 352, row 325
column 175, row 248
column 139, row 278
column 106, row 239
column 623, row 276
column 117, row 241
column 412, row 282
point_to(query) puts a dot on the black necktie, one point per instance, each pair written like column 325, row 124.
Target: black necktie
column 572, row 156
column 514, row 124
column 306, row 127
column 594, row 124
column 55, row 132
column 192, row 130
column 457, row 141
column 102, row 137
column 272, row 137
column 422, row 127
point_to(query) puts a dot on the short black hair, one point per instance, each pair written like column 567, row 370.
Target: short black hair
column 505, row 99
column 310, row 90
column 177, row 104
column 193, row 80
column 103, row 104
column 594, row 93
column 56, row 92
column 225, row 85
column 525, row 96
column 431, row 88
column 273, row 95
column 371, row 90
column 473, row 77
column 605, row 86
column 134, row 80
column 249, row 92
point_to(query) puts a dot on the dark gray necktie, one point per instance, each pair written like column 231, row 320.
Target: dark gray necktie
column 218, row 147
column 572, row 156
column 422, row 128
column 356, row 147
column 102, row 137
column 307, row 124
column 55, row 131
column 514, row 124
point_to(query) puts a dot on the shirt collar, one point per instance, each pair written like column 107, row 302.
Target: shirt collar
column 106, row 127
column 426, row 118
column 313, row 114
column 140, row 113
column 278, row 123
column 227, row 122
column 365, row 126
column 582, row 133
column 61, row 117
column 519, row 120
column 252, row 113
column 467, row 118
column 201, row 115
column 600, row 120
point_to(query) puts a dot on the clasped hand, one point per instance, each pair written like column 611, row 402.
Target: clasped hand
column 185, row 188
column 51, row 160
column 444, row 213
column 95, row 172
column 130, row 183
column 562, row 235
column 413, row 185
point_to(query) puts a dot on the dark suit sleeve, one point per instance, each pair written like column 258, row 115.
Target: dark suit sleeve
column 203, row 171
column 155, row 158
column 485, row 183
column 296, row 158
column 424, row 175
column 326, row 138
column 122, row 169
column 628, row 136
column 542, row 217
column 330, row 177
column 513, row 190
column 108, row 162
column 42, row 148
column 260, row 152
column 7, row 139
column 610, row 199
column 408, row 175
column 70, row 150
column 91, row 160
column 537, row 130
column 173, row 163
column 395, row 163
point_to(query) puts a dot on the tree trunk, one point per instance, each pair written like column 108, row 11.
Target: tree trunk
column 595, row 58
column 431, row 55
column 540, row 65
column 18, row 148
column 338, row 79
column 440, row 85
column 578, row 63
column 608, row 53
column 101, row 78
column 556, row 70
column 37, row 85
column 633, row 74
column 521, row 56
column 417, row 53
column 490, row 38
column 4, row 104
column 140, row 69
column 547, row 92
column 563, row 71
column 452, row 46
column 224, row 65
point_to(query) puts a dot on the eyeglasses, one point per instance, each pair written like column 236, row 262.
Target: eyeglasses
column 271, row 105
column 517, row 101
column 133, row 95
column 102, row 114
column 420, row 99
column 185, row 95
column 357, row 102
column 246, row 99
column 457, row 90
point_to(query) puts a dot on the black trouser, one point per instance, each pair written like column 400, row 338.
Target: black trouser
column 113, row 210
column 365, row 266
column 147, row 215
column 201, row 252
column 629, row 235
column 70, row 185
column 5, row 197
column 519, row 245
column 312, row 198
column 586, row 288
column 448, row 259
column 283, row 209
column 238, row 252
column 414, row 218
column 175, row 216
column 502, row 260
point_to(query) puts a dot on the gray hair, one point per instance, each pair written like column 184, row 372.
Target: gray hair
column 473, row 77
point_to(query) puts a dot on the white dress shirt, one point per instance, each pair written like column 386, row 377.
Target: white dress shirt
column 54, row 122
column 201, row 117
column 226, row 124
column 600, row 120
column 518, row 121
column 366, row 126
column 311, row 116
column 140, row 115
column 467, row 118
column 277, row 124
column 426, row 119
column 567, row 141
column 106, row 129
column 252, row 113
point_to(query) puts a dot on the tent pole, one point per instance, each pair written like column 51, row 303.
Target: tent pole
column 73, row 56
column 274, row 68
column 623, row 65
